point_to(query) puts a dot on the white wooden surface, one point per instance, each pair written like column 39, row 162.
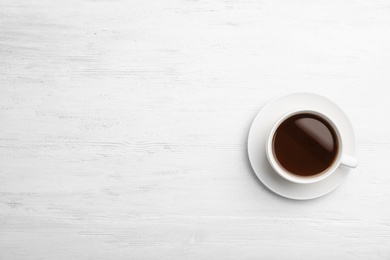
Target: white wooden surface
column 123, row 128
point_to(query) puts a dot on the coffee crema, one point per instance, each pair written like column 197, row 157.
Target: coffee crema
column 305, row 144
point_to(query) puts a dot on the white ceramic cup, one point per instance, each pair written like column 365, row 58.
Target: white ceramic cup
column 341, row 158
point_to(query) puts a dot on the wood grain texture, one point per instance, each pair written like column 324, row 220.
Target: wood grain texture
column 123, row 128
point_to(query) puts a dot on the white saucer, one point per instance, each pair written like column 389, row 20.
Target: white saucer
column 260, row 129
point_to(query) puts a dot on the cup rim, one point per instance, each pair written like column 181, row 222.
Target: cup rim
column 293, row 177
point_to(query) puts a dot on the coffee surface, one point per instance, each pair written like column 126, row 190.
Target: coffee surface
column 305, row 144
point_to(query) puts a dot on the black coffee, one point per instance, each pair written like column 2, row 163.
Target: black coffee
column 305, row 144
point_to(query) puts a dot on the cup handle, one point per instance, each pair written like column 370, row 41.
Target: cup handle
column 349, row 161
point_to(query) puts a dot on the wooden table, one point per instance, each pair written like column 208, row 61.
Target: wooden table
column 123, row 128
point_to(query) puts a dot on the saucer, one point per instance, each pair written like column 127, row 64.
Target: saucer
column 261, row 127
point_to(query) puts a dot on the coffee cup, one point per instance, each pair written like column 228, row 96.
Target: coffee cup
column 306, row 146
